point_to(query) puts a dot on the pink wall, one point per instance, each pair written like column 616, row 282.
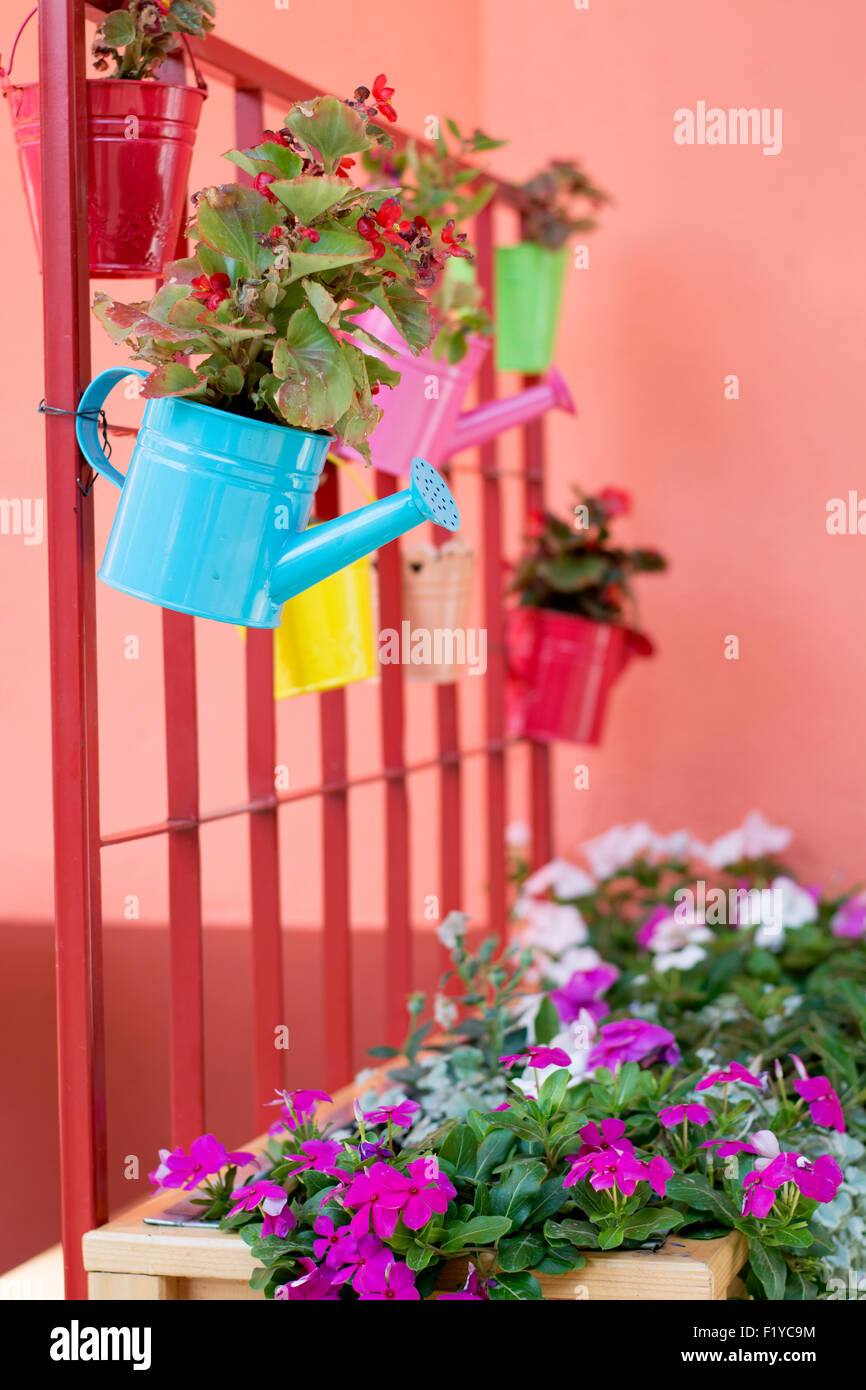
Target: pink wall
column 713, row 261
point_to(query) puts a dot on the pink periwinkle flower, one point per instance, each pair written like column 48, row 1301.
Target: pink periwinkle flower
column 472, row 1291
column 320, row 1154
column 274, row 1202
column 823, row 1102
column 295, row 1106
column 735, row 1072
column 675, row 1115
column 850, row 919
column 763, row 1143
column 385, row 1277
column 539, row 1057
column 818, row 1181
column 424, row 1189
column 658, row 1170
column 633, row 1040
column 583, row 991
column 206, row 1155
column 366, row 1194
column 645, row 935
column 401, row 1115
column 315, row 1284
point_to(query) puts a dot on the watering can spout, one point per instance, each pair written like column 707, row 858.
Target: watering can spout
column 322, row 550
column 486, row 421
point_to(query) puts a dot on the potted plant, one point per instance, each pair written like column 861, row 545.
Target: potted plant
column 253, row 375
column 573, row 631
column 141, row 133
column 529, row 276
column 422, row 416
column 437, row 584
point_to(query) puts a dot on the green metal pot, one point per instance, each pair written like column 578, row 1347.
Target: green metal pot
column 529, row 280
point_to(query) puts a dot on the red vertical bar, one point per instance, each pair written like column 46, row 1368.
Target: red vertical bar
column 267, row 943
column 74, row 719
column 493, row 616
column 184, row 880
column 539, row 753
column 335, row 855
column 450, row 798
column 398, row 936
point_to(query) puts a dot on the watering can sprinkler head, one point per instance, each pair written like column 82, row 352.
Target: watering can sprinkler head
column 320, row 551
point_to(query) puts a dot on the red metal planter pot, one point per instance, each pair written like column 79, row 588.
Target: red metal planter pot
column 561, row 669
column 140, row 142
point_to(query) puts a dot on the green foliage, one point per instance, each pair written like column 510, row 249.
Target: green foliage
column 140, row 37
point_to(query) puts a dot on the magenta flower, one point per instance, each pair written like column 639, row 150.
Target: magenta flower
column 633, row 1040
column 273, row 1200
column 335, row 1244
column 725, row 1148
column 658, row 1170
column 735, row 1072
column 426, row 1189
column 385, row 1277
column 356, row 1254
column 644, row 937
column 583, row 991
column 760, row 1188
column 539, row 1057
column 472, row 1291
column 850, row 919
column 400, row 1115
column 315, row 1284
column 366, row 1193
column 295, row 1106
column 609, row 1168
column 608, row 1138
column 675, row 1115
column 206, row 1155
column 320, row 1154
column 823, row 1102
column 818, row 1181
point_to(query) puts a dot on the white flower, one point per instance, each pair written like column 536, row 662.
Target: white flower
column 684, row 959
column 617, row 847
column 754, row 838
column 765, row 1141
column 680, row 844
column 518, row 835
column 785, row 905
column 677, row 930
column 565, row 880
column 445, row 1011
column 453, row 929
column 552, row 927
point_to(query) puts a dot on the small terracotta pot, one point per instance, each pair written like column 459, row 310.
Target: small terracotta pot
column 437, row 584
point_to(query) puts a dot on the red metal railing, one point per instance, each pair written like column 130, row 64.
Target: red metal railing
column 77, row 837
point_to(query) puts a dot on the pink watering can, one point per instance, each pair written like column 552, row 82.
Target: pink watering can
column 422, row 414
column 561, row 670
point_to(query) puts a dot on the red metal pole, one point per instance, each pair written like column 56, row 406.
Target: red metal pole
column 539, row 753
column 74, row 726
column 398, row 936
column 337, row 943
column 267, row 940
column 493, row 582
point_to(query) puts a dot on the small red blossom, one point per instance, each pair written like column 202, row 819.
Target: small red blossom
column 615, row 500
column 382, row 95
column 211, row 290
column 261, row 183
column 453, row 241
column 342, row 169
column 309, row 232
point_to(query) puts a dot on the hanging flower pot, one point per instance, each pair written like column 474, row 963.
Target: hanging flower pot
column 437, row 584
column 213, row 504
column 326, row 637
column 140, row 137
column 562, row 668
column 529, row 284
column 422, row 414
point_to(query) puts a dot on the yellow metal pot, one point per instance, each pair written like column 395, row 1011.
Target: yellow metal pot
column 326, row 639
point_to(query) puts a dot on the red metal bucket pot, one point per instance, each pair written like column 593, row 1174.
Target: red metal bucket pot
column 140, row 141
column 561, row 669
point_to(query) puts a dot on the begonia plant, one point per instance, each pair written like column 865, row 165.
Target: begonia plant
column 138, row 38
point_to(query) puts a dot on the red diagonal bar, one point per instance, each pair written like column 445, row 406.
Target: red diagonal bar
column 494, row 688
column 74, row 722
column 398, row 933
column 337, row 943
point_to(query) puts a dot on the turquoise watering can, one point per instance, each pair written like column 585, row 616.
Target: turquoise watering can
column 214, row 506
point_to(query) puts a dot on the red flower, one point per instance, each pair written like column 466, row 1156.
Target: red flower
column 342, row 169
column 382, row 95
column 274, row 137
column 309, row 232
column 453, row 241
column 615, row 500
column 261, row 184
column 211, row 290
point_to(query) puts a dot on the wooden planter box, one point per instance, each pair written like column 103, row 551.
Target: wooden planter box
column 128, row 1260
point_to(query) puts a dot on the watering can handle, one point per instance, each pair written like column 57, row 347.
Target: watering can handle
column 6, row 73
column 87, row 421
